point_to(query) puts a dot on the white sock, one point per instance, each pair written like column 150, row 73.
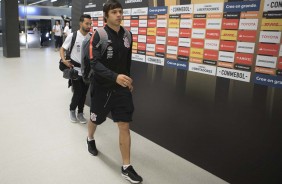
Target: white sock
column 90, row 139
column 125, row 166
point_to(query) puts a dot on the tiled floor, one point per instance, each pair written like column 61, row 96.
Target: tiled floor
column 38, row 144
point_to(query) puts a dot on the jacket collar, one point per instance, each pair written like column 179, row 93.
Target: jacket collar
column 121, row 31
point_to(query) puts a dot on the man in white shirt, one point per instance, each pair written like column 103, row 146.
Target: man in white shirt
column 67, row 30
column 58, row 35
column 79, row 87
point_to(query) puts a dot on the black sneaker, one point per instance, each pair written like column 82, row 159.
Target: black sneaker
column 92, row 147
column 130, row 174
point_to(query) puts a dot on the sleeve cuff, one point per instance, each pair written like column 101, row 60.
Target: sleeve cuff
column 115, row 77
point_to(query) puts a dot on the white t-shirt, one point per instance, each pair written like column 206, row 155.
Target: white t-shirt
column 58, row 30
column 77, row 47
column 67, row 30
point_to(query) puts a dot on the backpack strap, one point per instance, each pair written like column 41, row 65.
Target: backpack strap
column 104, row 40
column 73, row 40
column 91, row 46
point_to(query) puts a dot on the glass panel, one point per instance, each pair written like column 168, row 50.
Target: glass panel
column 38, row 19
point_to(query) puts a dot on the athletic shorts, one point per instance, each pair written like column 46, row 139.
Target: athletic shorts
column 118, row 101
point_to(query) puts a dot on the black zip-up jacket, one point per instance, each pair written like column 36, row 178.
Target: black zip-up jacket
column 115, row 60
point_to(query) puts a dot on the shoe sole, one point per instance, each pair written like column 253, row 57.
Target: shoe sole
column 82, row 122
column 129, row 179
column 73, row 121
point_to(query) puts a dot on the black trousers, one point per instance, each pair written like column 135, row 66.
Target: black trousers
column 58, row 41
column 79, row 94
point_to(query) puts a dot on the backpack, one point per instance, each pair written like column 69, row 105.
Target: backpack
column 87, row 52
column 62, row 66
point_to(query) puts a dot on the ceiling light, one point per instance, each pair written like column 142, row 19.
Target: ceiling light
column 38, row 2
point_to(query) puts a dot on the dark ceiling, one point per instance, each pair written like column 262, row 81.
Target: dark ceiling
column 57, row 3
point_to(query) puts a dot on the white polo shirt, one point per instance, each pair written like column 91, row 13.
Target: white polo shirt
column 58, row 30
column 77, row 48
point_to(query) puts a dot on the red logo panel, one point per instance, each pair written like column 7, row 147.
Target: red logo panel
column 227, row 45
column 211, row 55
column 199, row 23
column 243, row 58
column 197, row 43
column 268, row 49
column 185, row 33
column 134, row 23
column 161, row 31
column 247, row 35
column 213, row 34
column 151, row 39
column 152, row 23
column 135, row 38
column 141, row 46
column 183, row 51
column 279, row 66
column 160, row 48
column 95, row 23
column 172, row 41
column 142, row 31
column 230, row 23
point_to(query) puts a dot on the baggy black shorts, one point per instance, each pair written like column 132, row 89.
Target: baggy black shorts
column 117, row 101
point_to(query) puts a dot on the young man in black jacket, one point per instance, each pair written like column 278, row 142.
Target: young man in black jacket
column 112, row 86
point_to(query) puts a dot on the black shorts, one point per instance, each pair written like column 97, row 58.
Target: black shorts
column 118, row 101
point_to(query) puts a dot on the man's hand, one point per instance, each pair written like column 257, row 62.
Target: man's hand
column 68, row 63
column 130, row 87
column 124, row 81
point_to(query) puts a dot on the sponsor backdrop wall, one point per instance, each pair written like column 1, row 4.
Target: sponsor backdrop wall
column 208, row 79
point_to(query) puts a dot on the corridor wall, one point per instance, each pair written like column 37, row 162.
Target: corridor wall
column 207, row 80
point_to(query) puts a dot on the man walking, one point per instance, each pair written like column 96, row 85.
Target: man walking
column 58, row 35
column 79, row 87
column 112, row 85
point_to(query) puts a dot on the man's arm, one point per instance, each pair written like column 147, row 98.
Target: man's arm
column 129, row 58
column 96, row 63
column 65, row 47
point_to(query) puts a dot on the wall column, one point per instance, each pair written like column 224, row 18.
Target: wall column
column 10, row 25
column 76, row 12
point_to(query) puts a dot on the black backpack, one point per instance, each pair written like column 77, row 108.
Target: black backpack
column 62, row 66
column 87, row 54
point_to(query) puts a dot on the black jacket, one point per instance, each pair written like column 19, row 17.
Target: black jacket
column 115, row 60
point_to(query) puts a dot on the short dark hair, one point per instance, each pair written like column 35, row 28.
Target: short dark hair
column 110, row 5
column 84, row 16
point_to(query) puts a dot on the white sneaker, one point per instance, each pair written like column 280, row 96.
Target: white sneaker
column 73, row 118
column 81, row 118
